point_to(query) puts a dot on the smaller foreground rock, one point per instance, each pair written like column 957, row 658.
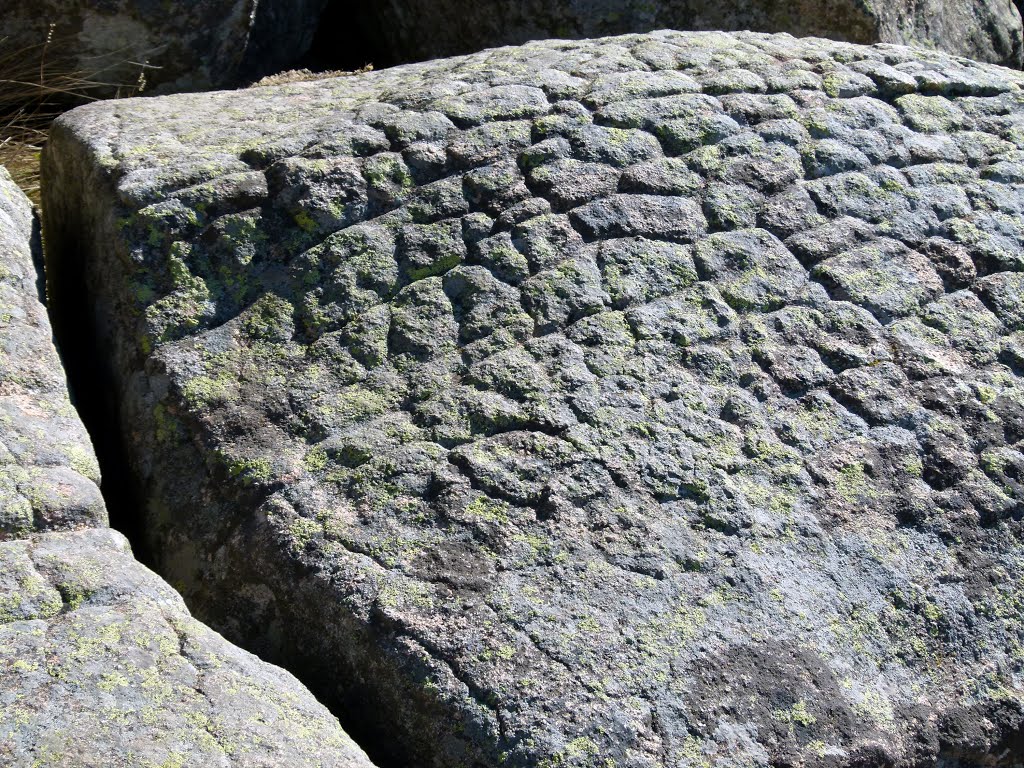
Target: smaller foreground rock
column 48, row 474
column 102, row 665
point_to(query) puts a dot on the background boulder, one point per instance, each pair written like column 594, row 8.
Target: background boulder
column 412, row 30
column 122, row 45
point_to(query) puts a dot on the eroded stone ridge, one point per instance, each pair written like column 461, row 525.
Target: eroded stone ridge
column 100, row 662
column 647, row 401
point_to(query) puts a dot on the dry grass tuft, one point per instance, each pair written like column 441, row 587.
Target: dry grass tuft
column 305, row 75
column 37, row 84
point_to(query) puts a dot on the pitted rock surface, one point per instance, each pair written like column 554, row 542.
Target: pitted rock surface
column 646, row 401
column 409, row 30
column 100, row 662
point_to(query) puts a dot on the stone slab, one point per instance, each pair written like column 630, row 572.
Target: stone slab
column 644, row 401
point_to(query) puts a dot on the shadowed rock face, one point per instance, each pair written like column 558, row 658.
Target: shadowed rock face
column 164, row 46
column 404, row 30
column 647, row 401
column 100, row 662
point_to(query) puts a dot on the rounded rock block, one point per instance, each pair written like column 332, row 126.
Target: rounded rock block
column 643, row 401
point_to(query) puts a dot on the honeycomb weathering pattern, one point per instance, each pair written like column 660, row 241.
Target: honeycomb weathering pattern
column 646, row 401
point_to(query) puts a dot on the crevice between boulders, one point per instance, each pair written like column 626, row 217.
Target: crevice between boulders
column 90, row 382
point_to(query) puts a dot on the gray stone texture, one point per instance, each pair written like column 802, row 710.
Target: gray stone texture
column 120, row 45
column 645, row 401
column 101, row 664
column 986, row 30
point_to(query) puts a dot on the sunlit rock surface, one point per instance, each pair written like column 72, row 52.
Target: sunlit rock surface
column 647, row 401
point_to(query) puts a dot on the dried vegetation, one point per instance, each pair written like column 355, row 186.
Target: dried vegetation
column 37, row 83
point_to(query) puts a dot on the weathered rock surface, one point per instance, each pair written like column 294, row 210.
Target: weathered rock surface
column 172, row 46
column 987, row 30
column 100, row 662
column 648, row 401
column 102, row 665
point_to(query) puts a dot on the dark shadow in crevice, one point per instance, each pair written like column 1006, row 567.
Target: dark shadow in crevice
column 88, row 394
column 90, row 383
column 36, row 249
column 1020, row 10
column 345, row 41
column 963, row 743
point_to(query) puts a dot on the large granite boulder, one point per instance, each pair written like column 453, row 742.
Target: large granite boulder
column 645, row 401
column 404, row 30
column 100, row 662
column 121, row 45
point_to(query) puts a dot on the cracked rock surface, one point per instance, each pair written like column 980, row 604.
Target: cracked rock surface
column 645, row 401
column 100, row 662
